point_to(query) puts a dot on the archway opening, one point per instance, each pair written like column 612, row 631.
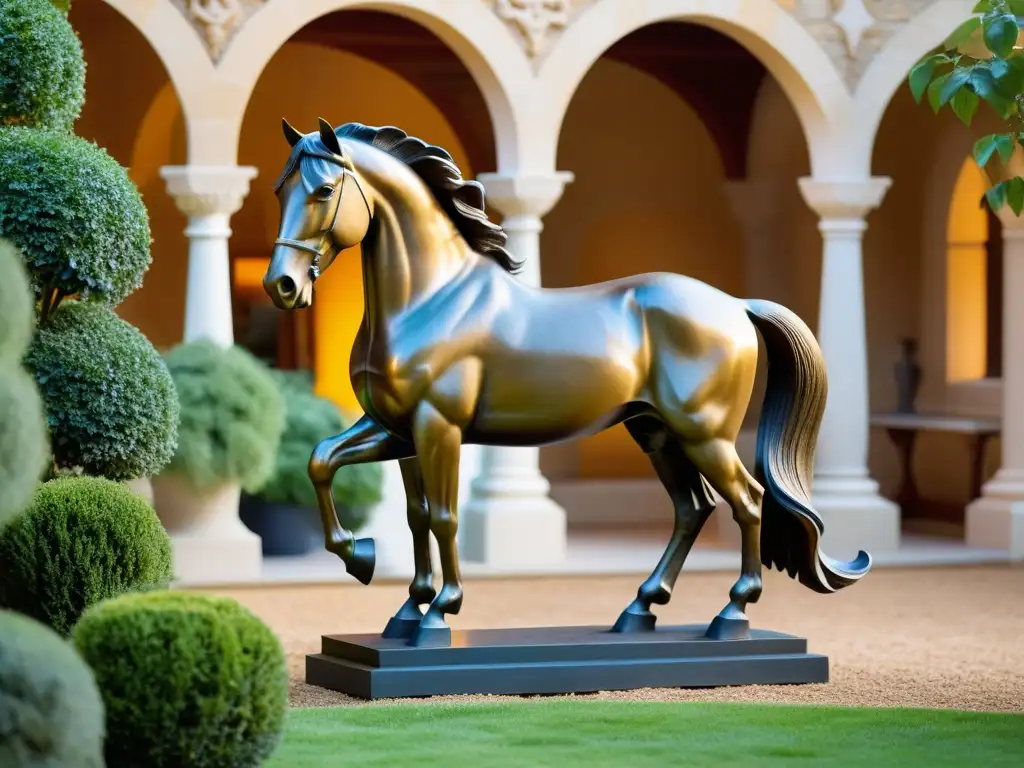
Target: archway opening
column 375, row 68
column 666, row 138
column 138, row 121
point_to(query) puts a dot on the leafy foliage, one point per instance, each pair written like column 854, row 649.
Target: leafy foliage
column 23, row 447
column 232, row 415
column 308, row 420
column 42, row 72
column 16, row 311
column 981, row 61
column 51, row 713
column 111, row 403
column 80, row 541
column 186, row 680
column 74, row 213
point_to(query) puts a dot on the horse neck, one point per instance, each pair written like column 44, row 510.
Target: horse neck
column 410, row 252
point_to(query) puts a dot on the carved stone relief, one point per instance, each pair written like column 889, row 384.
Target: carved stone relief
column 852, row 32
column 538, row 23
column 217, row 21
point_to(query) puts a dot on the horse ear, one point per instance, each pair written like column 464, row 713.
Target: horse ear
column 329, row 137
column 290, row 133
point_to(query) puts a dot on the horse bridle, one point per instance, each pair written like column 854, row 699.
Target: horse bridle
column 318, row 249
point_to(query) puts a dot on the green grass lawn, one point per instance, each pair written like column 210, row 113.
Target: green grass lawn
column 578, row 732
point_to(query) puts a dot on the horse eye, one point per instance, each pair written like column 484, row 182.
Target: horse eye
column 325, row 192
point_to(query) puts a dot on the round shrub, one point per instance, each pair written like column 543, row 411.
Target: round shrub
column 23, row 447
column 74, row 213
column 110, row 400
column 42, row 71
column 309, row 420
column 232, row 415
column 80, row 540
column 51, row 713
column 17, row 313
column 186, row 680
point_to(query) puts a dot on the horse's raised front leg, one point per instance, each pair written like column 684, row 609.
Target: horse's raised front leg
column 693, row 503
column 421, row 589
column 438, row 445
column 362, row 443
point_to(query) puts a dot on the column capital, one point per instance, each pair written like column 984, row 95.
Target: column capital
column 754, row 202
column 204, row 190
column 524, row 195
column 1013, row 225
column 844, row 199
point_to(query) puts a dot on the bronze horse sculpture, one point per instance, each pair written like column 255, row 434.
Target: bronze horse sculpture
column 453, row 349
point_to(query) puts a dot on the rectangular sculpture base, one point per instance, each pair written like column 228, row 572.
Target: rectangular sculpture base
column 553, row 660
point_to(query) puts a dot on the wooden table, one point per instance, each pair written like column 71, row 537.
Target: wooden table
column 903, row 429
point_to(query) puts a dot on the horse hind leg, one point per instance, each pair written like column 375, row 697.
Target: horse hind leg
column 692, row 502
column 717, row 460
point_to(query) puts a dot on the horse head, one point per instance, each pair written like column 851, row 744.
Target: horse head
column 324, row 210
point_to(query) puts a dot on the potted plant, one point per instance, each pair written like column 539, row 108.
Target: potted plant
column 231, row 418
column 284, row 510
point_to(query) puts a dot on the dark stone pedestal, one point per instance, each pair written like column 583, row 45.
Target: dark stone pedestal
column 560, row 660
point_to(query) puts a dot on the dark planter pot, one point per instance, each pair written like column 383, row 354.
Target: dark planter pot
column 285, row 530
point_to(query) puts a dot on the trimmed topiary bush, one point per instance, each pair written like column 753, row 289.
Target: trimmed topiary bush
column 186, row 680
column 309, row 420
column 232, row 415
column 80, row 540
column 51, row 713
column 111, row 403
column 74, row 213
column 42, row 72
column 17, row 313
column 23, row 447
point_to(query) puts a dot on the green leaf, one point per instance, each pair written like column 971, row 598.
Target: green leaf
column 984, row 85
column 964, row 105
column 963, row 33
column 935, row 88
column 949, row 86
column 922, row 74
column 1015, row 195
column 997, row 196
column 1000, row 32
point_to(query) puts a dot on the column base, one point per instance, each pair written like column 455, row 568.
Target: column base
column 996, row 523
column 863, row 521
column 513, row 532
column 203, row 559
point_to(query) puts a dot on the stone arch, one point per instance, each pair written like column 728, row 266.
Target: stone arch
column 889, row 69
column 787, row 50
column 470, row 29
column 187, row 63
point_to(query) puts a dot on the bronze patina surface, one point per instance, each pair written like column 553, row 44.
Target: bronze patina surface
column 454, row 349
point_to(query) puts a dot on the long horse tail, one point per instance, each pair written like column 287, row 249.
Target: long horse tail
column 791, row 416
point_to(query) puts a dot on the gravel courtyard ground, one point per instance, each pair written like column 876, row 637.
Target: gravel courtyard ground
column 949, row 637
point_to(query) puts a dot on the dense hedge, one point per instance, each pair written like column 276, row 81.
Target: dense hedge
column 17, row 313
column 110, row 400
column 186, row 680
column 309, row 419
column 80, row 540
column 232, row 415
column 51, row 713
column 74, row 213
column 23, row 446
column 42, row 72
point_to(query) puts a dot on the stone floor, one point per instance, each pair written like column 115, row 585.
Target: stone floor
column 915, row 637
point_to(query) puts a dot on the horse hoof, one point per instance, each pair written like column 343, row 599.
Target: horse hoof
column 631, row 620
column 400, row 628
column 722, row 628
column 431, row 632
column 362, row 560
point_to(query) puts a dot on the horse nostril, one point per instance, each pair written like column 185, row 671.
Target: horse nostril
column 286, row 286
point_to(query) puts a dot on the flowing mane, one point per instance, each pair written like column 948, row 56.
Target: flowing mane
column 461, row 199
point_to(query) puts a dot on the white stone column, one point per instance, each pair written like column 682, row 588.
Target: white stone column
column 856, row 516
column 208, row 195
column 996, row 519
column 210, row 543
column 510, row 521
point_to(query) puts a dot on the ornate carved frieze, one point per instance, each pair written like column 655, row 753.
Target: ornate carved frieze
column 217, row 21
column 538, row 22
column 852, row 32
